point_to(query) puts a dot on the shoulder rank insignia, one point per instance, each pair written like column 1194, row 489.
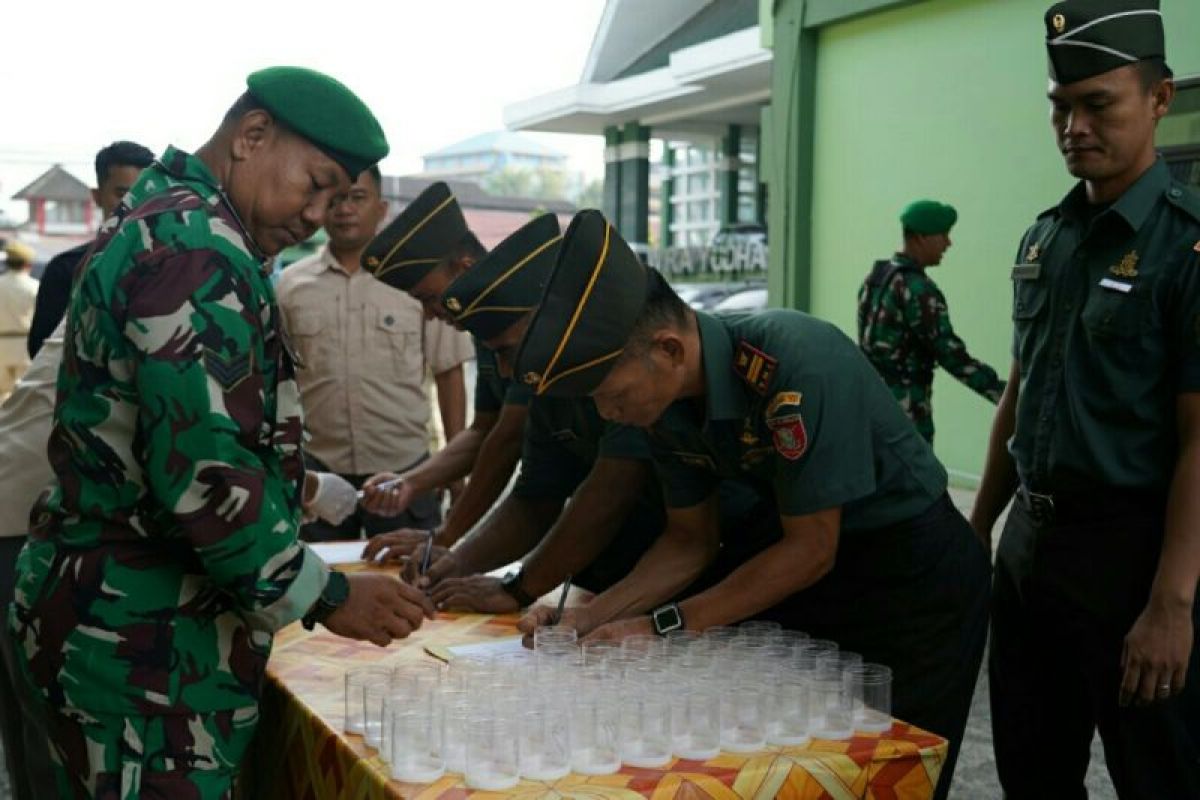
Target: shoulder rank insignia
column 1128, row 266
column 228, row 371
column 1033, row 253
column 754, row 366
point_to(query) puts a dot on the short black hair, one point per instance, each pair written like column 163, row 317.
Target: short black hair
column 241, row 107
column 1152, row 71
column 375, row 174
column 663, row 309
column 121, row 154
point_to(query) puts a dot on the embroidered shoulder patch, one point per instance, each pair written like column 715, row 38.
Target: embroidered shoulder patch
column 789, row 435
column 782, row 399
column 228, row 371
column 754, row 366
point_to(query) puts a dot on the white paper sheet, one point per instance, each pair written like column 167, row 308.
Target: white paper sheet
column 488, row 649
column 339, row 552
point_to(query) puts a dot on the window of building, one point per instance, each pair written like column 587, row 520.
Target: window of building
column 1178, row 135
column 694, row 200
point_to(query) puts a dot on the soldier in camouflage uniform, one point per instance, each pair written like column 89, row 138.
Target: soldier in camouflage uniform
column 904, row 325
column 164, row 556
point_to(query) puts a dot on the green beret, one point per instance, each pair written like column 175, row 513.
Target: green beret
column 424, row 234
column 507, row 283
column 928, row 217
column 1085, row 38
column 323, row 111
column 592, row 300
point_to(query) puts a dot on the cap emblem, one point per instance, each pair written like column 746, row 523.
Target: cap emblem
column 1059, row 22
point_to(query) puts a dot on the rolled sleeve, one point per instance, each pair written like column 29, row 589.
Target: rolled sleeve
column 445, row 347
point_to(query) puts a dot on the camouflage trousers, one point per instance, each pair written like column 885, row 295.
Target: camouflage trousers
column 917, row 402
column 169, row 757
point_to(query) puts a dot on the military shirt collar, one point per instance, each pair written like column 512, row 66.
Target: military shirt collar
column 905, row 261
column 725, row 398
column 189, row 169
column 1134, row 206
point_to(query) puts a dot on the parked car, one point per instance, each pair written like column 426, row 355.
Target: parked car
column 754, row 299
column 701, row 296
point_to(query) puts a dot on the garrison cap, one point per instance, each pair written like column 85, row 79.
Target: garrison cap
column 1085, row 38
column 592, row 300
column 506, row 283
column 425, row 233
column 323, row 111
column 928, row 217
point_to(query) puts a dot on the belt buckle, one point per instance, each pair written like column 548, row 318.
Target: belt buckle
column 1039, row 506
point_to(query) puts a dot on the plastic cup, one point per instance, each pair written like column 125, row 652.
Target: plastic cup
column 696, row 720
column 833, row 664
column 832, row 714
column 454, row 711
column 788, row 721
column 352, row 704
column 594, row 727
column 492, row 748
column 645, row 728
column 545, row 746
column 554, row 634
column 376, row 705
column 743, row 719
column 599, row 653
column 417, row 752
column 870, row 689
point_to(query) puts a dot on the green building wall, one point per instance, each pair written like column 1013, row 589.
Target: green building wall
column 941, row 99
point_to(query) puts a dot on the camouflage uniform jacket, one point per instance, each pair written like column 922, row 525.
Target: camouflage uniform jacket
column 904, row 330
column 164, row 556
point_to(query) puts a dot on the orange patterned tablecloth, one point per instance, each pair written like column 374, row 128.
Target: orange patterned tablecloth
column 302, row 753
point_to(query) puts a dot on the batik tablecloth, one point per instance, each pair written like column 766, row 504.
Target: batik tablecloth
column 302, row 754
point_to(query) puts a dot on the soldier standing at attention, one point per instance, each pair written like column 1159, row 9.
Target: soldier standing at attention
column 1098, row 434
column 164, row 556
column 904, row 324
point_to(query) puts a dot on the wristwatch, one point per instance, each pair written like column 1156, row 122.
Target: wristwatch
column 333, row 596
column 511, row 584
column 667, row 618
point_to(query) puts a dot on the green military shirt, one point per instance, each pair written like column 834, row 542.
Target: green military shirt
column 164, row 556
column 493, row 391
column 1106, row 318
column 563, row 439
column 904, row 330
column 792, row 406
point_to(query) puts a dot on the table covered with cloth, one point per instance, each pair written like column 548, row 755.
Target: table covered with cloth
column 301, row 752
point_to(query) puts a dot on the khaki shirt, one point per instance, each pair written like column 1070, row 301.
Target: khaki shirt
column 18, row 293
column 363, row 348
column 25, row 418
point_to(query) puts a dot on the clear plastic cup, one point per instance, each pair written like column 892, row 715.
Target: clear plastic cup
column 594, row 735
column 788, row 719
column 869, row 687
column 644, row 646
column 755, row 627
column 696, row 720
column 545, row 746
column 832, row 716
column 492, row 746
column 645, row 727
column 743, row 719
column 417, row 753
column 376, row 705
column 352, row 704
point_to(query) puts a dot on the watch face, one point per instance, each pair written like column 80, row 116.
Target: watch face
column 667, row 619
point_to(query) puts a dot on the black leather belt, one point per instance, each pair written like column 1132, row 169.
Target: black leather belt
column 1100, row 502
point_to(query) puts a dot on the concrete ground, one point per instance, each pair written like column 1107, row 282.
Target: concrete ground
column 975, row 777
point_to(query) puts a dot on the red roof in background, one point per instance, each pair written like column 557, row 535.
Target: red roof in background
column 492, row 226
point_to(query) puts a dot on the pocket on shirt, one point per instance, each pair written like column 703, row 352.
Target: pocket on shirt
column 1114, row 315
column 309, row 331
column 1029, row 306
column 397, row 339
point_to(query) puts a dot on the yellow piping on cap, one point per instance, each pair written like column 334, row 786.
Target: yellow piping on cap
column 508, row 273
column 379, row 273
column 504, row 309
column 591, row 284
column 417, row 227
column 547, row 384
